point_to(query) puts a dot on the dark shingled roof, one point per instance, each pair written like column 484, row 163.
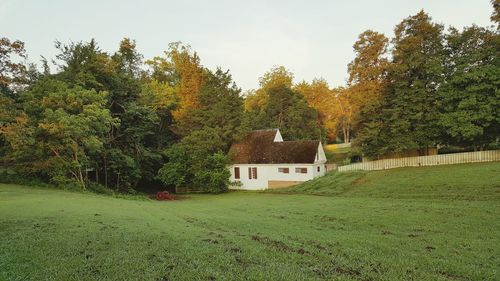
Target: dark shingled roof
column 259, row 148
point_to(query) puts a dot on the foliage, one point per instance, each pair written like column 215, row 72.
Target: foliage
column 115, row 120
column 181, row 69
column 197, row 161
column 175, row 171
column 495, row 16
column 220, row 107
column 13, row 74
column 320, row 97
column 406, row 117
column 287, row 110
column 470, row 97
column 64, row 128
column 366, row 76
column 278, row 76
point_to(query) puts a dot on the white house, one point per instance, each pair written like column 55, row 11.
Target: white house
column 263, row 160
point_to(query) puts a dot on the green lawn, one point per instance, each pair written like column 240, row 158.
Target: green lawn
column 435, row 223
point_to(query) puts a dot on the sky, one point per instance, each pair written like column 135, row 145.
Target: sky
column 311, row 38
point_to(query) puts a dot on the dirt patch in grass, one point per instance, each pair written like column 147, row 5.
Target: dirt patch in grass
column 279, row 245
column 359, row 181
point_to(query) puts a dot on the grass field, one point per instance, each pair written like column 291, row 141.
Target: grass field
column 433, row 223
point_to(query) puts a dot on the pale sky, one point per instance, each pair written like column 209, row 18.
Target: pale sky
column 311, row 38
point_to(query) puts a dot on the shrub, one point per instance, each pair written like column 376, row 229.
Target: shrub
column 164, row 196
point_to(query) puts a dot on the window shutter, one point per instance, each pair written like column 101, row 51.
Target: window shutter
column 236, row 172
column 249, row 173
column 255, row 173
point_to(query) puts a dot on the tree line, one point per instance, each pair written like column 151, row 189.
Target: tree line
column 92, row 119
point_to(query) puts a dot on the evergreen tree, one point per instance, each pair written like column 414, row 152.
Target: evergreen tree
column 406, row 117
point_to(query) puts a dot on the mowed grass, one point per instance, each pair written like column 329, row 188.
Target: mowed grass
column 440, row 223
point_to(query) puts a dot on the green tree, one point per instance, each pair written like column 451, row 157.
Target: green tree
column 59, row 131
column 289, row 111
column 197, row 161
column 470, row 97
column 495, row 16
column 132, row 149
column 13, row 74
column 220, row 107
column 407, row 115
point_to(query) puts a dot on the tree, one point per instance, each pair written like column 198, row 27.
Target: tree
column 59, row 131
column 407, row 117
column 320, row 97
column 181, row 69
column 495, row 16
column 127, row 59
column 278, row 76
column 366, row 76
column 470, row 99
column 276, row 105
column 197, row 161
column 289, row 111
column 220, row 107
column 13, row 72
column 85, row 65
column 344, row 113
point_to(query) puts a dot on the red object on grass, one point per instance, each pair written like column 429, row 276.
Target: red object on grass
column 164, row 195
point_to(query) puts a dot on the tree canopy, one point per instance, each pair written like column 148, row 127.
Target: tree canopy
column 96, row 119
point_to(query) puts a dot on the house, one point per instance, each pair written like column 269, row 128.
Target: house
column 263, row 160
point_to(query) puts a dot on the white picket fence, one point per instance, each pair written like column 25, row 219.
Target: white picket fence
column 433, row 160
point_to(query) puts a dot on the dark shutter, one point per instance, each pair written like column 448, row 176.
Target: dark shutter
column 255, row 173
column 237, row 173
column 249, row 173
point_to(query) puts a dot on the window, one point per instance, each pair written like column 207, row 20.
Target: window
column 284, row 170
column 252, row 173
column 319, row 169
column 301, row 170
column 237, row 173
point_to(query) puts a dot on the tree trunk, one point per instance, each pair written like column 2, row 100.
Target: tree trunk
column 97, row 174
column 105, row 171
column 79, row 174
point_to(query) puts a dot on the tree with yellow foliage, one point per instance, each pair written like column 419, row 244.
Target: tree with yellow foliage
column 278, row 76
column 180, row 68
column 366, row 73
column 320, row 97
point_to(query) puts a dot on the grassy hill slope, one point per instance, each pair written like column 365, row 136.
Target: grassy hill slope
column 407, row 224
column 466, row 181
